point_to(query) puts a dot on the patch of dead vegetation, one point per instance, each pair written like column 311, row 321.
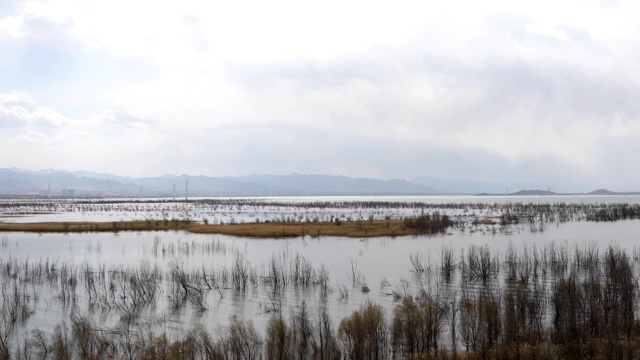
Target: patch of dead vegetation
column 373, row 228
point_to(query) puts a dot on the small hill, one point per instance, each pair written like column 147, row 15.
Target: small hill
column 603, row 192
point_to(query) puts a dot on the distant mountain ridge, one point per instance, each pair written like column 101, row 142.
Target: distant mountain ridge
column 61, row 183
column 51, row 182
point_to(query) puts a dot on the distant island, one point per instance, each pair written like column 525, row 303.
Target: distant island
column 551, row 193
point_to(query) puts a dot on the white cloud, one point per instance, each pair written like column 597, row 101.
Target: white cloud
column 47, row 115
column 34, row 138
column 518, row 82
column 14, row 107
column 11, row 26
column 16, row 98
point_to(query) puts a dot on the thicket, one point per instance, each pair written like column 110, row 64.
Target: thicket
column 430, row 224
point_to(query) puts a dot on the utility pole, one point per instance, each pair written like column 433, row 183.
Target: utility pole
column 186, row 189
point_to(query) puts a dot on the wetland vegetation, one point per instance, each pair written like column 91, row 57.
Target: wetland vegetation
column 490, row 281
column 370, row 228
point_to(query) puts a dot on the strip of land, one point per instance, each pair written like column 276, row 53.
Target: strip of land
column 357, row 229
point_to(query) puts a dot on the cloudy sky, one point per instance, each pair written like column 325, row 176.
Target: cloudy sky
column 539, row 90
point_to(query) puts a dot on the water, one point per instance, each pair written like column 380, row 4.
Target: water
column 224, row 210
column 377, row 260
column 380, row 264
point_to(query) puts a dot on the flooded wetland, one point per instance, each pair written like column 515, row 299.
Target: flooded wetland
column 529, row 277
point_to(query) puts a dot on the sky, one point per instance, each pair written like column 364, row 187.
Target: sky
column 541, row 91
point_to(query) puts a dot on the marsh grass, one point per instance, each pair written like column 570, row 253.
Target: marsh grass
column 82, row 227
column 358, row 229
column 361, row 219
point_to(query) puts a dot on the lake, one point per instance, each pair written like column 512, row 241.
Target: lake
column 91, row 273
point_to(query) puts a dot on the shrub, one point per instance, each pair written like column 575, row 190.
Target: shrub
column 363, row 335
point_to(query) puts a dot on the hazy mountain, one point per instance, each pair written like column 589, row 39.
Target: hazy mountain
column 104, row 176
column 19, row 182
column 56, row 182
column 84, row 183
column 297, row 184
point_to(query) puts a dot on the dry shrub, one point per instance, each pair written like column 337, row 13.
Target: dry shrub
column 279, row 340
column 363, row 335
column 416, row 329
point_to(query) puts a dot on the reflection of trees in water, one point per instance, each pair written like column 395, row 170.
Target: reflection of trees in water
column 555, row 301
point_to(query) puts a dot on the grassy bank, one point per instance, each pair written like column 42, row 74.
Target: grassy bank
column 358, row 229
column 86, row 226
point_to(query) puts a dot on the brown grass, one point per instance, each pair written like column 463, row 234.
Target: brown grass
column 114, row 226
column 486, row 221
column 358, row 229
column 280, row 229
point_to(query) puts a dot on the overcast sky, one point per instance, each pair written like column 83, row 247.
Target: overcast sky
column 545, row 91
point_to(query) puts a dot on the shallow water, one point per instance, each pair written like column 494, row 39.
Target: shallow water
column 271, row 209
column 376, row 261
column 381, row 264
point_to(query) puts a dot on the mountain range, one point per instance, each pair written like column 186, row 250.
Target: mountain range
column 16, row 182
column 44, row 183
